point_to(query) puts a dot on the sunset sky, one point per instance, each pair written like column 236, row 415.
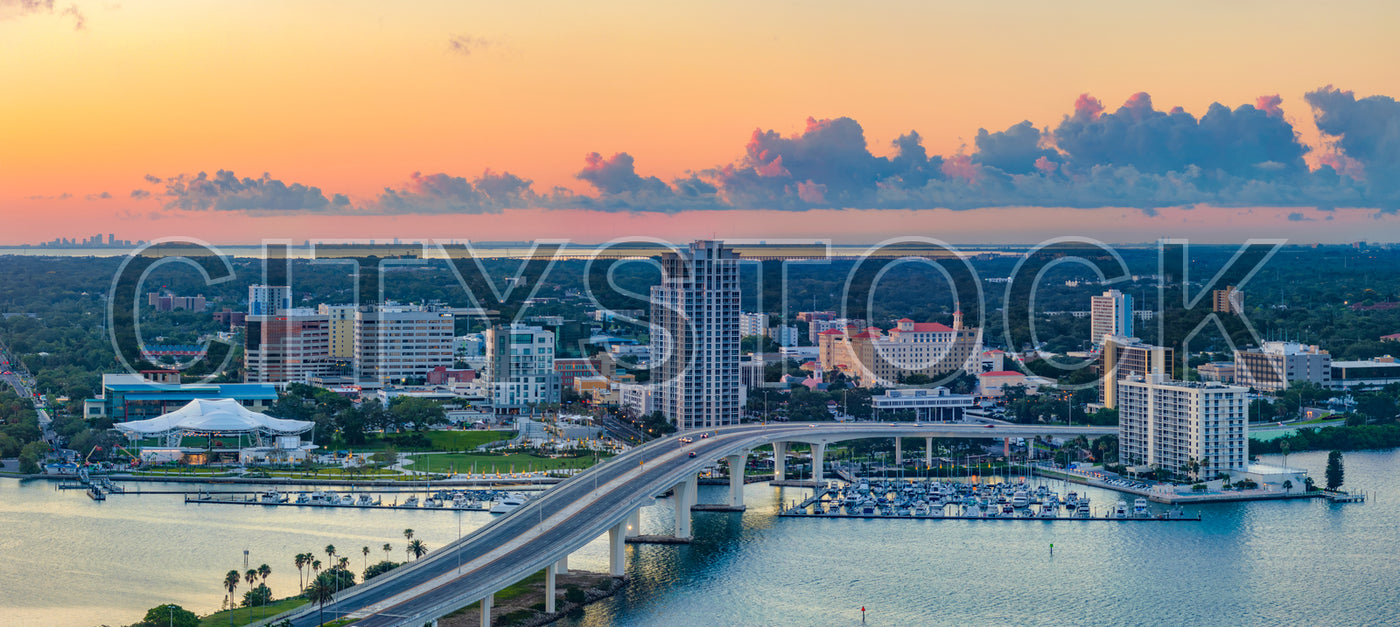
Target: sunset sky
column 352, row 98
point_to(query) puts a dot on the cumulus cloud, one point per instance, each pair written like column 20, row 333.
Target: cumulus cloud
column 1366, row 139
column 226, row 192
column 1136, row 156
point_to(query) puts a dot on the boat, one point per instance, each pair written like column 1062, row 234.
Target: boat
column 1120, row 510
column 1083, row 510
column 411, row 501
column 972, row 511
column 95, row 493
column 1008, row 511
column 1020, row 499
column 273, row 496
column 433, row 502
column 1049, row 510
column 1140, row 508
column 303, row 498
column 508, row 503
column 365, row 501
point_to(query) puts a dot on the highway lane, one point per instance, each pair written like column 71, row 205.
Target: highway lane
column 581, row 509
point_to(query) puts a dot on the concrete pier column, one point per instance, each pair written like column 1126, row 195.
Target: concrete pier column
column 818, row 453
column 634, row 523
column 562, row 566
column 928, row 453
column 486, row 609
column 779, row 461
column 617, row 549
column 683, row 495
column 737, row 463
column 550, row 590
column 898, row 451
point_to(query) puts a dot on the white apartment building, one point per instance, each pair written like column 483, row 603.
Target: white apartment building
column 753, row 324
column 267, row 300
column 395, row 343
column 1167, row 424
column 1112, row 314
column 636, row 398
column 784, row 335
column 520, row 366
column 290, row 347
column 816, row 327
column 1276, row 365
column 695, row 337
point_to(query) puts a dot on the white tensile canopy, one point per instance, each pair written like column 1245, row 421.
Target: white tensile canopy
column 209, row 417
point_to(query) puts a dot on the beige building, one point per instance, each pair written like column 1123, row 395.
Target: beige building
column 1127, row 356
column 395, row 343
column 875, row 358
column 342, row 328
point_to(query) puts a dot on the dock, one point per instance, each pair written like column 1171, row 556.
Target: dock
column 1155, row 518
column 254, row 499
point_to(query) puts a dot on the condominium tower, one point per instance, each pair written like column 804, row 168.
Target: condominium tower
column 695, row 337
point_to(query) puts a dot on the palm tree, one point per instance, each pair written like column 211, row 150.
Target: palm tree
column 330, row 551
column 344, row 563
column 417, row 548
column 1287, row 486
column 316, row 566
column 231, row 583
column 387, row 548
column 301, row 560
column 319, row 592
column 251, row 577
column 365, row 550
column 264, row 572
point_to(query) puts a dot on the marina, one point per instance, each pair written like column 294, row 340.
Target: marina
column 951, row 500
column 494, row 501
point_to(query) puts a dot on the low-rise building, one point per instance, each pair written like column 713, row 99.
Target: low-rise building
column 1221, row 371
column 926, row 404
column 1369, row 373
column 128, row 397
column 1276, row 365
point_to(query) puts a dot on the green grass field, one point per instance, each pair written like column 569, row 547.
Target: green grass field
column 441, row 441
column 248, row 615
column 462, row 463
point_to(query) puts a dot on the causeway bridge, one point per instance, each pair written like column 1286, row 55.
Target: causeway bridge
column 606, row 499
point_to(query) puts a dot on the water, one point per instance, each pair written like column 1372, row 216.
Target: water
column 69, row 561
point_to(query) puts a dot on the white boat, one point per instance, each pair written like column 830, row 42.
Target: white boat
column 972, row 511
column 1120, row 510
column 1020, row 499
column 1049, row 510
column 508, row 503
column 411, row 501
column 433, row 502
column 303, row 498
column 365, row 501
column 1082, row 511
column 1140, row 508
column 273, row 496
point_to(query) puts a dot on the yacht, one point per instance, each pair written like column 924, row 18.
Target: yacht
column 411, row 501
column 1120, row 510
column 433, row 502
column 1050, row 510
column 1072, row 500
column 303, row 498
column 508, row 503
column 1140, row 508
column 1008, row 511
column 1020, row 499
column 273, row 496
column 365, row 501
column 1083, row 511
column 972, row 511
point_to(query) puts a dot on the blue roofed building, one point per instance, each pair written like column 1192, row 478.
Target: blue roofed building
column 127, row 397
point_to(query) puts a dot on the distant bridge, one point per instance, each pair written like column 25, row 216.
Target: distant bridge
column 606, row 499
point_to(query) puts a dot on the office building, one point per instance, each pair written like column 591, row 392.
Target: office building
column 165, row 301
column 290, row 347
column 1128, row 356
column 401, row 344
column 1171, row 424
column 571, row 368
column 1111, row 314
column 127, row 397
column 816, row 327
column 695, row 337
column 1276, row 365
column 921, row 404
column 267, row 300
column 342, row 328
column 520, row 369
column 1363, row 374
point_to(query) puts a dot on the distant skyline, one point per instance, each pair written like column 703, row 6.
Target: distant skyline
column 1010, row 123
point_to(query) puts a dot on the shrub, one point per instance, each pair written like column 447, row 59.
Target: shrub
column 574, row 594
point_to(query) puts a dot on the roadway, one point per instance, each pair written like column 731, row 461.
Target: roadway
column 579, row 510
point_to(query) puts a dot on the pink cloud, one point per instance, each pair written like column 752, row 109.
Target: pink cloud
column 1270, row 105
column 961, row 166
column 811, row 192
column 1045, row 165
column 1088, row 107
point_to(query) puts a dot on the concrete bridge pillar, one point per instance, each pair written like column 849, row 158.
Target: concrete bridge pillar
column 617, row 549
column 928, row 453
column 683, row 496
column 486, row 609
column 818, row 453
column 550, row 572
column 737, row 463
column 898, row 451
column 562, row 566
column 779, row 461
column 634, row 523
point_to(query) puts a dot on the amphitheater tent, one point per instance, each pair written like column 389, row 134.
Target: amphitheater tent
column 212, row 417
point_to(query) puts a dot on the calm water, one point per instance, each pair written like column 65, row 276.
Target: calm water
column 69, row 561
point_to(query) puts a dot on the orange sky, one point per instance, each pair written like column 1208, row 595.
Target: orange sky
column 355, row 96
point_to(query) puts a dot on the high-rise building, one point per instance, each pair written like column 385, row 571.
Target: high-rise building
column 520, row 367
column 1276, row 365
column 695, row 337
column 1174, row 425
column 1112, row 314
column 267, row 300
column 290, row 347
column 400, row 343
column 1227, row 300
column 342, row 324
column 875, row 358
column 1128, row 356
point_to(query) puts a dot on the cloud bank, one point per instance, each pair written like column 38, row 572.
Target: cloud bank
column 1135, row 156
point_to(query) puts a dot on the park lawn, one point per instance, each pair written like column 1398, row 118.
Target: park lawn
column 441, row 441
column 183, row 472
column 462, row 463
column 248, row 615
column 335, row 473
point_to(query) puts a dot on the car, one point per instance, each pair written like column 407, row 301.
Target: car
column 989, row 426
column 704, row 435
column 692, row 453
